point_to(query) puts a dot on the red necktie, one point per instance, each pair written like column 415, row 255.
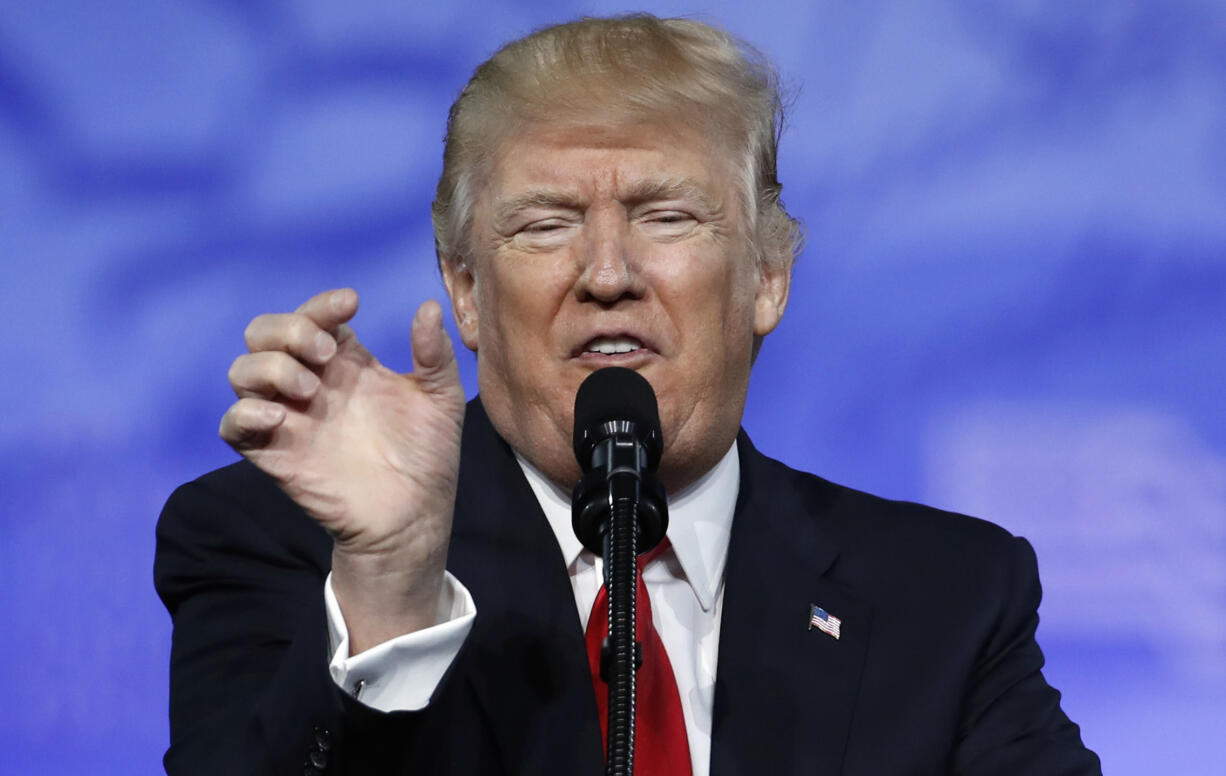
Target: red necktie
column 661, row 747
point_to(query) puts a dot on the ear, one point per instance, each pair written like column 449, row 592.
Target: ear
column 461, row 284
column 775, row 281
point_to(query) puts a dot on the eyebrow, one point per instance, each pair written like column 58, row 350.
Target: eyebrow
column 684, row 188
column 671, row 188
column 506, row 209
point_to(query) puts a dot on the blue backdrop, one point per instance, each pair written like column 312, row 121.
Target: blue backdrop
column 1012, row 303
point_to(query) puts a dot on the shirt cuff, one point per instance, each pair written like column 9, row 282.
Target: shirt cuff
column 402, row 673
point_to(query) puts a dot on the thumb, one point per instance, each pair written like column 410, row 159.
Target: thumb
column 434, row 364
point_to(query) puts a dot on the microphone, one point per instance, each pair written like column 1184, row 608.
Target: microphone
column 618, row 511
column 617, row 442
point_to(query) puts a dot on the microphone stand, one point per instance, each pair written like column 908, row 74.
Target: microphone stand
column 620, row 511
column 623, row 654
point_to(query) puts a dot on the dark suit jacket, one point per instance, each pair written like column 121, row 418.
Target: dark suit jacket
column 936, row 671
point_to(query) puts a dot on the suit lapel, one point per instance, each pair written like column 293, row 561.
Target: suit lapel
column 526, row 659
column 784, row 694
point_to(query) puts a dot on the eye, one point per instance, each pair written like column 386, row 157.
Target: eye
column 544, row 233
column 541, row 228
column 670, row 217
column 668, row 224
column 544, row 223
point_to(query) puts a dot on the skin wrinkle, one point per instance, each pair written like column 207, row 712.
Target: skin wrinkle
column 602, row 125
column 683, row 191
column 677, row 273
column 629, row 70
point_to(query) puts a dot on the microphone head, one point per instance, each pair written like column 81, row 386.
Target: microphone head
column 616, row 400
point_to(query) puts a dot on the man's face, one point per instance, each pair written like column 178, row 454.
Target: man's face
column 625, row 246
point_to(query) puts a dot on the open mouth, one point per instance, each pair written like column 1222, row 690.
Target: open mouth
column 612, row 346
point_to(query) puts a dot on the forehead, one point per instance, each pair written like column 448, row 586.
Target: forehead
column 618, row 160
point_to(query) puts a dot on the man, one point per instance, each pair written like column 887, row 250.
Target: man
column 389, row 583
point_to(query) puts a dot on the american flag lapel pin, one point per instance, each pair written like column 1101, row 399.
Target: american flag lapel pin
column 824, row 621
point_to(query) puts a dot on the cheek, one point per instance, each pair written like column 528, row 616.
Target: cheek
column 518, row 301
column 500, row 299
column 718, row 299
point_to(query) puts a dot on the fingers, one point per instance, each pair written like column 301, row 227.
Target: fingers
column 295, row 333
column 331, row 308
column 248, row 421
column 272, row 374
column 311, row 332
column 285, row 348
column 434, row 363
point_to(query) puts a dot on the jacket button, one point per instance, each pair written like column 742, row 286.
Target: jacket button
column 319, row 759
column 323, row 739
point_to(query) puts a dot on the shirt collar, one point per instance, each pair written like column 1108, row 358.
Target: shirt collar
column 699, row 522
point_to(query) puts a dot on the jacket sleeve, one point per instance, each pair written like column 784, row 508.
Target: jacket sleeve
column 250, row 691
column 1012, row 722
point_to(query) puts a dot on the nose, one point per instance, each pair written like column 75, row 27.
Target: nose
column 609, row 270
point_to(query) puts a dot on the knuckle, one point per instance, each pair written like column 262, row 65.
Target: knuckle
column 301, row 329
column 235, row 373
column 247, row 416
column 252, row 332
column 282, row 372
column 227, row 427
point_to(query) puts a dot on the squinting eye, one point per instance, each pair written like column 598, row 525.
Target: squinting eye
column 545, row 234
column 667, row 217
column 543, row 227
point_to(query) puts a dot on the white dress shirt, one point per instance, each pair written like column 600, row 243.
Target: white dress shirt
column 685, row 584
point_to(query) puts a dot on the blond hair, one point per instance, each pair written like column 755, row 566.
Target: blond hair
column 636, row 67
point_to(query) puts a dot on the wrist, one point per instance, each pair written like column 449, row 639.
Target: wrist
column 382, row 600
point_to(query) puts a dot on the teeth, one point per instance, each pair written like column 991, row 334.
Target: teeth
column 611, row 345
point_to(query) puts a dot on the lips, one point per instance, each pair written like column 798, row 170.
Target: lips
column 613, row 344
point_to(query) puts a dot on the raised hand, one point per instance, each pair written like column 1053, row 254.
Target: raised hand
column 371, row 454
